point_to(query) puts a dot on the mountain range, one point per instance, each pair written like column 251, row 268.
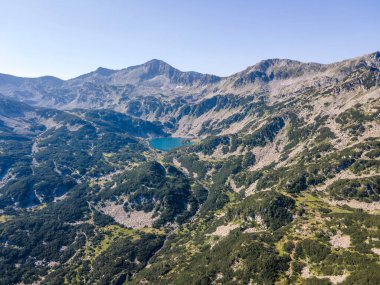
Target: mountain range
column 280, row 184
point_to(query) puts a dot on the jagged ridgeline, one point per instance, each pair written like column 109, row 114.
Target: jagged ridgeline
column 279, row 185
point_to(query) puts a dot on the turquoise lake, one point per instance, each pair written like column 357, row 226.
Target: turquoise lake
column 168, row 143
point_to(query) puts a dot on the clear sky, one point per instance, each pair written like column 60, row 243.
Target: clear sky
column 66, row 38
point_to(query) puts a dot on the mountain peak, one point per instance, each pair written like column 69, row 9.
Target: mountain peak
column 277, row 61
column 155, row 61
column 281, row 63
column 156, row 66
column 272, row 69
column 104, row 71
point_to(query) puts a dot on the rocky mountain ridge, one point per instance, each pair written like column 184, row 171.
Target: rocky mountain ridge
column 157, row 91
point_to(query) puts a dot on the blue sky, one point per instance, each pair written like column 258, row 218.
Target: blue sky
column 66, row 38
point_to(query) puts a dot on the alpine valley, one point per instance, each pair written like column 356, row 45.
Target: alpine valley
column 279, row 185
